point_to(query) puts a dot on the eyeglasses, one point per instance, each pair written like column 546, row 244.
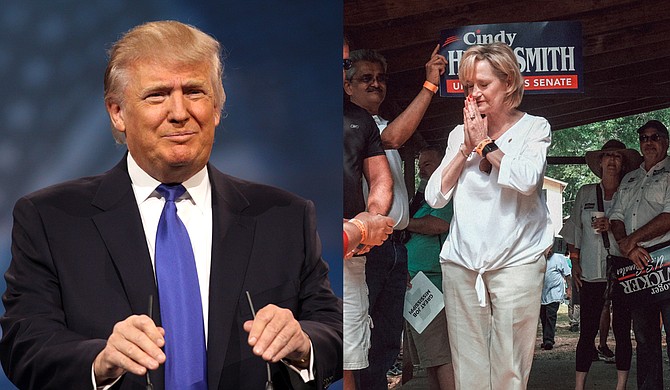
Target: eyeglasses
column 654, row 137
column 347, row 63
column 150, row 313
column 381, row 78
column 268, row 384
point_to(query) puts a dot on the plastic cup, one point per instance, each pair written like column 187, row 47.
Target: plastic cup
column 595, row 215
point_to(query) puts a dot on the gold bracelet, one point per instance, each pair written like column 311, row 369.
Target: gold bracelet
column 462, row 151
column 482, row 144
column 430, row 86
column 361, row 226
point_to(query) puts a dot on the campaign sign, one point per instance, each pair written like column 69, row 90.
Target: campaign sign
column 423, row 302
column 549, row 54
column 652, row 284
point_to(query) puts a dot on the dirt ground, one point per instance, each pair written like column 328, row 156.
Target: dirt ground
column 555, row 369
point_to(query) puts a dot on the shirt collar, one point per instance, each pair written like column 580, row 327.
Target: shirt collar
column 144, row 186
column 661, row 164
column 379, row 120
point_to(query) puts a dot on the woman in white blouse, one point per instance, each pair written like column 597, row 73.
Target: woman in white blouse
column 492, row 262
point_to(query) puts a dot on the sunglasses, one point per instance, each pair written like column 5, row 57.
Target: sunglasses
column 347, row 63
column 654, row 137
column 381, row 78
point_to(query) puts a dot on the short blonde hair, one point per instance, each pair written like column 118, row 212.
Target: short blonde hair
column 504, row 63
column 170, row 42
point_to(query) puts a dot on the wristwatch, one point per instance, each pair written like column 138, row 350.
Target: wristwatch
column 491, row 146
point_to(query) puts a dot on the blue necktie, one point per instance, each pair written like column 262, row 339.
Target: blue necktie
column 179, row 294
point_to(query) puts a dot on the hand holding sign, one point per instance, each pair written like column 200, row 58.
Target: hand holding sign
column 423, row 301
column 648, row 280
column 640, row 257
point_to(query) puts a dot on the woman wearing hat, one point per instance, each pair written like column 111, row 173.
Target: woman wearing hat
column 583, row 232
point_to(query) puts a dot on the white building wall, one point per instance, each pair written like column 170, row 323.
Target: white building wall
column 553, row 190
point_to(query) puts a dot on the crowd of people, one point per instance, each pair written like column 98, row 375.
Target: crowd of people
column 478, row 228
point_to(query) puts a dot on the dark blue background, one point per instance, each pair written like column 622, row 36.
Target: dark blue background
column 282, row 80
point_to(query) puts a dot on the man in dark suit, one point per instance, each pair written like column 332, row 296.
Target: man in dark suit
column 84, row 253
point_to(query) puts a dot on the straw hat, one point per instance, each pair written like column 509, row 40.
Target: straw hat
column 631, row 157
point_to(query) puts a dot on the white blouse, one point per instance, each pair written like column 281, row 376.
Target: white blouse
column 578, row 232
column 500, row 219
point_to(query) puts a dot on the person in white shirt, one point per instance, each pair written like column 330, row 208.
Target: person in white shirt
column 386, row 265
column 588, row 253
column 493, row 260
column 640, row 218
column 556, row 288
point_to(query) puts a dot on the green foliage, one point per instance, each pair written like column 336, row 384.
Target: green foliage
column 578, row 140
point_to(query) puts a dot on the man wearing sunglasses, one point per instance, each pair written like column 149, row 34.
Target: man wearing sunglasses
column 639, row 219
column 363, row 158
column 386, row 266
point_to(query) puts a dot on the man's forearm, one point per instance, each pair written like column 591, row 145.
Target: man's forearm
column 428, row 224
column 618, row 229
column 399, row 131
column 657, row 227
column 380, row 200
column 377, row 173
column 401, row 128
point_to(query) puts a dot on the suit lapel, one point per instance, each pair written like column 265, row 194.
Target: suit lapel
column 231, row 248
column 120, row 226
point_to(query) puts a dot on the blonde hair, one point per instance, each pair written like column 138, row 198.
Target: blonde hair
column 170, row 42
column 505, row 66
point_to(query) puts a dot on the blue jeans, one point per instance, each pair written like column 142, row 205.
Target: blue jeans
column 386, row 276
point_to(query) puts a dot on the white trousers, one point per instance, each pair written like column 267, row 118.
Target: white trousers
column 356, row 320
column 492, row 347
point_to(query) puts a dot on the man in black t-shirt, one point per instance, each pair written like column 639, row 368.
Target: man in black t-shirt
column 364, row 157
column 386, row 267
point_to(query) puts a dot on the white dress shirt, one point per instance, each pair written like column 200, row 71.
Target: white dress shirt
column 194, row 208
column 642, row 196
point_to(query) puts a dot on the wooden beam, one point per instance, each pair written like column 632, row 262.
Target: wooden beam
column 599, row 52
column 552, row 160
column 626, row 52
column 418, row 27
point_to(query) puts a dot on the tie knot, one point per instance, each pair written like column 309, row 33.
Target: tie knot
column 171, row 192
